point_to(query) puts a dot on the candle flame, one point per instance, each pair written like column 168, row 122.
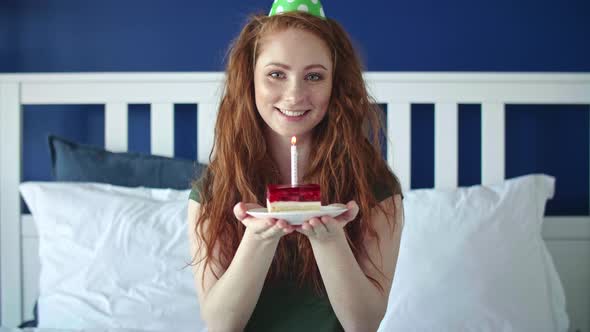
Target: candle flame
column 293, row 140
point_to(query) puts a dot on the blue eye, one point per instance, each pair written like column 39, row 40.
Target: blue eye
column 276, row 74
column 314, row 77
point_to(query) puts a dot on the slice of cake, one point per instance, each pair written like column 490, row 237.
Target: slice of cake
column 301, row 197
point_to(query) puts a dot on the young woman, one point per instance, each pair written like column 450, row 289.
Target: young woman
column 295, row 73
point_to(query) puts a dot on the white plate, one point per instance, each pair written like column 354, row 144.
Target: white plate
column 297, row 217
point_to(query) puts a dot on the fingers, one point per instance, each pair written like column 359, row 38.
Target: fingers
column 267, row 228
column 314, row 227
column 353, row 210
column 278, row 229
column 264, row 228
column 319, row 226
column 259, row 226
column 306, row 229
column 240, row 209
column 255, row 225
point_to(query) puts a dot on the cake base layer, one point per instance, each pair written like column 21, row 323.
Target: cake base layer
column 283, row 206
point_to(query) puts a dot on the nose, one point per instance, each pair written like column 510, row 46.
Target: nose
column 295, row 92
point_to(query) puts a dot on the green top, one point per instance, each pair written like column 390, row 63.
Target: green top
column 285, row 307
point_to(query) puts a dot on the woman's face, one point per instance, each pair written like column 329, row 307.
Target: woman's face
column 292, row 81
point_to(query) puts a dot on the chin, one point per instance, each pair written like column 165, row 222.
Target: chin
column 284, row 132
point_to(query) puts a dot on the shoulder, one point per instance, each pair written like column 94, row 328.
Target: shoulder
column 197, row 189
column 385, row 186
column 195, row 194
column 388, row 220
column 388, row 213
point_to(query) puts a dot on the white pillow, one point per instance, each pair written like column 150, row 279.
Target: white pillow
column 113, row 257
column 473, row 259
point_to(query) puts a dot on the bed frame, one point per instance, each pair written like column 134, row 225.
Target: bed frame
column 568, row 238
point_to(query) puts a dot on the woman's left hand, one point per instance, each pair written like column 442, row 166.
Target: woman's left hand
column 326, row 228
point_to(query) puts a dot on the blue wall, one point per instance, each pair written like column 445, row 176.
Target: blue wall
column 502, row 35
column 177, row 35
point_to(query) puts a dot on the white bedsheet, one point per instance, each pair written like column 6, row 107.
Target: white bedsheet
column 31, row 329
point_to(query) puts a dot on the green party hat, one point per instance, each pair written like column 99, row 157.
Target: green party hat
column 313, row 7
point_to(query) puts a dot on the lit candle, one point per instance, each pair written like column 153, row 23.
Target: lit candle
column 293, row 161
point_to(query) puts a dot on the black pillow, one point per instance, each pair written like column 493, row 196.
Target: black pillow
column 71, row 161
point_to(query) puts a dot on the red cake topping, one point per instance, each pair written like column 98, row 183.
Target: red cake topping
column 297, row 193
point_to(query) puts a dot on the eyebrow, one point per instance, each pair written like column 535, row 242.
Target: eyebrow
column 288, row 68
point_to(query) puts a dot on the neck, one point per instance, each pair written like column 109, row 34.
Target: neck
column 280, row 151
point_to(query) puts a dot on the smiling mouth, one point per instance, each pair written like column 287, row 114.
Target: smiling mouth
column 293, row 114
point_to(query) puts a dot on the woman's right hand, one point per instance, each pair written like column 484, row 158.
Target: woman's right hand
column 263, row 229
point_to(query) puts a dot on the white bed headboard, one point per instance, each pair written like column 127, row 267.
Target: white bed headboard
column 568, row 238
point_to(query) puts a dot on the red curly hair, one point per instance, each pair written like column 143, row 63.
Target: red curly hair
column 345, row 161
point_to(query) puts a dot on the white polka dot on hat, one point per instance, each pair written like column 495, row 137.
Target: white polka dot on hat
column 313, row 7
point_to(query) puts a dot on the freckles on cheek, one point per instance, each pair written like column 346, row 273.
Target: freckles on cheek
column 322, row 101
column 265, row 95
column 271, row 92
column 263, row 90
